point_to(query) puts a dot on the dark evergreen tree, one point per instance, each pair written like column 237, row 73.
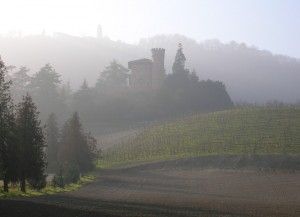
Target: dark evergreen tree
column 52, row 139
column 8, row 146
column 32, row 160
column 75, row 147
column 179, row 63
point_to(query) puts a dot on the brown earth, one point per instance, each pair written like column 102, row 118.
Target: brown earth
column 158, row 189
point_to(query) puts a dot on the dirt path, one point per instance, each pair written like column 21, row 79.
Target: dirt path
column 158, row 191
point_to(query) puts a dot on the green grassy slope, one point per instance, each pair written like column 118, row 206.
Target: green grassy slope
column 257, row 130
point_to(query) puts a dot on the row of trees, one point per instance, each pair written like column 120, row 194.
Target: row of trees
column 23, row 143
column 21, row 139
column 112, row 100
column 44, row 87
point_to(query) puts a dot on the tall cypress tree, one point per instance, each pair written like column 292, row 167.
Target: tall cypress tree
column 8, row 147
column 179, row 63
column 32, row 142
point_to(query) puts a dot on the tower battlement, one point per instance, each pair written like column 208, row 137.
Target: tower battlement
column 158, row 51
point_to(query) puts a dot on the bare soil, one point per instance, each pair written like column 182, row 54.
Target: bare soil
column 170, row 188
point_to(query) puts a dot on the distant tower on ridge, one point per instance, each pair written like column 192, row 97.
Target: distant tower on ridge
column 99, row 32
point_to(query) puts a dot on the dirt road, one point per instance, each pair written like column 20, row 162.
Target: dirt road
column 165, row 191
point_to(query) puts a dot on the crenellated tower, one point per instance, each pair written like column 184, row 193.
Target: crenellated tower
column 146, row 74
column 158, row 67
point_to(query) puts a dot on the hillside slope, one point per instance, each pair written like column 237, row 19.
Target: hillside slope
column 257, row 130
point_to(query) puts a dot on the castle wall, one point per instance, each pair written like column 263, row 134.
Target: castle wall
column 147, row 75
column 140, row 78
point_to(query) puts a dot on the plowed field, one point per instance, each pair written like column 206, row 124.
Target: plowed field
column 159, row 190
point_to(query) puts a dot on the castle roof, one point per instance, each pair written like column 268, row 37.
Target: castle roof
column 139, row 62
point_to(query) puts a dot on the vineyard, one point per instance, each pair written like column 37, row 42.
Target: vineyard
column 252, row 130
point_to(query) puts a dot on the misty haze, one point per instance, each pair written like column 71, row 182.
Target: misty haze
column 149, row 108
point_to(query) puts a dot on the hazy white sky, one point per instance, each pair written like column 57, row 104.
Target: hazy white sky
column 268, row 24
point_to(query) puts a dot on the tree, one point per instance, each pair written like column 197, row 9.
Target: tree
column 176, row 92
column 52, row 139
column 115, row 75
column 83, row 101
column 20, row 82
column 44, row 89
column 75, row 147
column 8, row 147
column 31, row 141
column 179, row 63
column 183, row 92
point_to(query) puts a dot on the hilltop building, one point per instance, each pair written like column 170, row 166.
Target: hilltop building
column 99, row 32
column 146, row 74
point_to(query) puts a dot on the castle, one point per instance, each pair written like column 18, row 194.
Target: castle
column 148, row 74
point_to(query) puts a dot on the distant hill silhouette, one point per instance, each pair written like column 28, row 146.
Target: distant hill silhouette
column 250, row 74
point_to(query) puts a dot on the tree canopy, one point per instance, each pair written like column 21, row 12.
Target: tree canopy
column 114, row 75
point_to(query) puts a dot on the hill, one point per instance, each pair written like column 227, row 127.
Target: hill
column 250, row 74
column 241, row 131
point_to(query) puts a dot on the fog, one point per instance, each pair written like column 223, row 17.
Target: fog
column 250, row 74
column 149, row 108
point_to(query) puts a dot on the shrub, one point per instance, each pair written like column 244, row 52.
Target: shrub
column 58, row 179
column 72, row 174
column 38, row 183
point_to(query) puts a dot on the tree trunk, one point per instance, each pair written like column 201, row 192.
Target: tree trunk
column 23, row 185
column 5, row 185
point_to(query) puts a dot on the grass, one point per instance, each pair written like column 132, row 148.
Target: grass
column 251, row 130
column 14, row 189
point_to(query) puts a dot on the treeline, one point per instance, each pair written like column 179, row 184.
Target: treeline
column 112, row 99
column 251, row 74
column 23, row 142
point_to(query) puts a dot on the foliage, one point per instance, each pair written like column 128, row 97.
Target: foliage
column 114, row 75
column 20, row 83
column 52, row 139
column 58, row 179
column 31, row 141
column 184, row 93
column 72, row 174
column 38, row 183
column 251, row 130
column 48, row 190
column 179, row 63
column 44, row 88
column 8, row 145
column 76, row 147
column 82, row 99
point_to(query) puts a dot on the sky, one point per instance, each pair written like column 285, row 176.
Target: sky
column 267, row 24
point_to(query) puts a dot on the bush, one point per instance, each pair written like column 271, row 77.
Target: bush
column 58, row 179
column 38, row 183
column 65, row 175
column 72, row 174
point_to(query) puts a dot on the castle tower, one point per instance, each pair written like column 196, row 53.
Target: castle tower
column 158, row 67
